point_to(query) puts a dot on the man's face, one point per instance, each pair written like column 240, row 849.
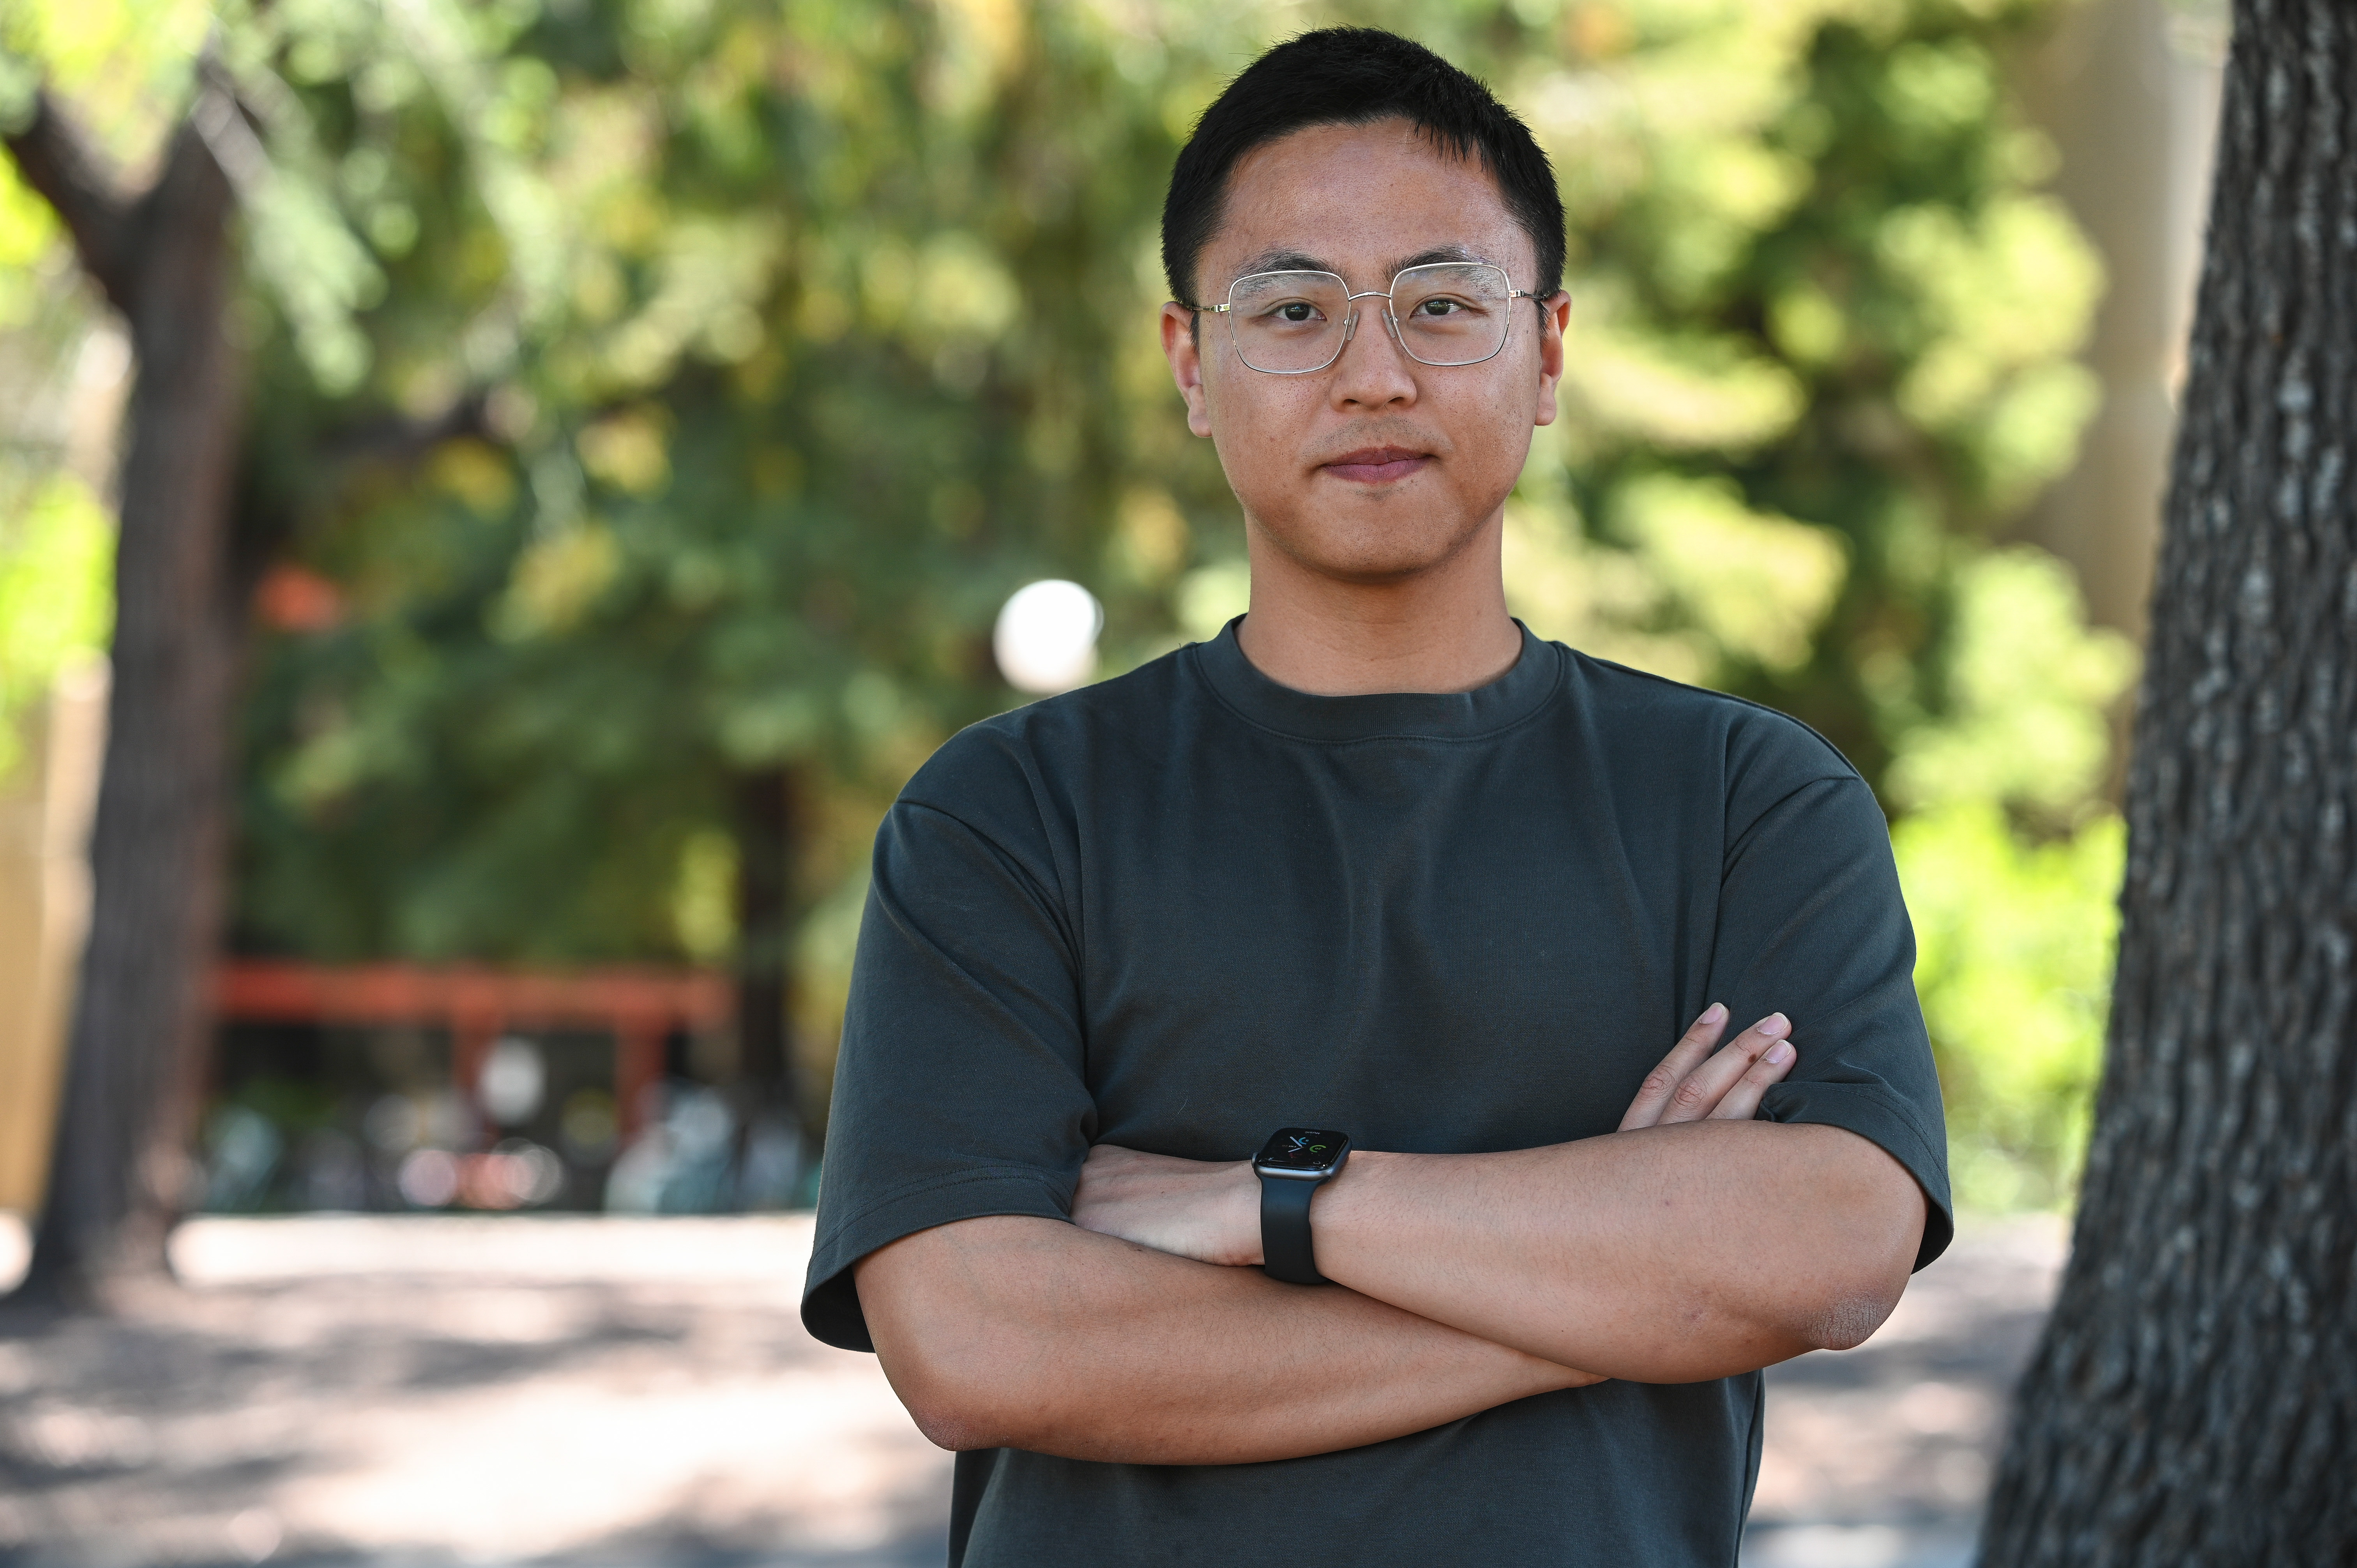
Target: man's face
column 1377, row 467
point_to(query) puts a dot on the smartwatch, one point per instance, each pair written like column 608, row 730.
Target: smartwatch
column 1291, row 1165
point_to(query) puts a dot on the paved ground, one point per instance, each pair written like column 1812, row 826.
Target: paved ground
column 639, row 1391
column 1879, row 1457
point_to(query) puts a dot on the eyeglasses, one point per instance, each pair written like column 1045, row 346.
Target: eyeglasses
column 1293, row 323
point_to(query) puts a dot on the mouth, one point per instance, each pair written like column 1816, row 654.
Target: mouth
column 1377, row 465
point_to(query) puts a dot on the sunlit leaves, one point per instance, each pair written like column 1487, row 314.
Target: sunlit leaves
column 1678, row 394
column 2024, row 685
column 1757, row 584
column 2014, row 943
column 57, row 602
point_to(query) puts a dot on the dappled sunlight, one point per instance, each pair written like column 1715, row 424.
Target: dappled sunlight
column 483, row 1388
column 512, row 1389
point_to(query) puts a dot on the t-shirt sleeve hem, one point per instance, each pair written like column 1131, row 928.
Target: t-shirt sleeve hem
column 831, row 1308
column 1884, row 1119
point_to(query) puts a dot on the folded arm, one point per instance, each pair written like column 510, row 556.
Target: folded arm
column 1667, row 1255
column 1694, row 1242
column 1020, row 1332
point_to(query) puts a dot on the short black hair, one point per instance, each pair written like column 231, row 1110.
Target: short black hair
column 1356, row 76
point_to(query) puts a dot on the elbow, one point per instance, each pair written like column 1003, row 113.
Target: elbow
column 953, row 1403
column 1867, row 1256
column 947, row 1424
column 1854, row 1295
column 1848, row 1321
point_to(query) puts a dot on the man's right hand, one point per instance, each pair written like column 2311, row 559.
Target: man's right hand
column 1694, row 1083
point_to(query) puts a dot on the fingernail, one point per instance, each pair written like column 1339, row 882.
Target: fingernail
column 1774, row 1023
column 1713, row 1014
column 1778, row 1054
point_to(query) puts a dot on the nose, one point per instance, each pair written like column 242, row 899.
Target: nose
column 1373, row 372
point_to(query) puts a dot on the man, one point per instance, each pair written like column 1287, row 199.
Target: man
column 1377, row 864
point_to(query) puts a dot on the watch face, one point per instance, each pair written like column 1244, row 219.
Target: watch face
column 1305, row 1149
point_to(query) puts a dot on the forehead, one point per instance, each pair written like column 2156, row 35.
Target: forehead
column 1360, row 200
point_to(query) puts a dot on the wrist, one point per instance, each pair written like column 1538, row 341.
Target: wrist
column 1347, row 1207
column 1242, row 1207
column 1239, row 1215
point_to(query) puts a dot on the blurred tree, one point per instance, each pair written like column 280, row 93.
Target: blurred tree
column 166, row 256
column 2192, row 1399
column 161, row 254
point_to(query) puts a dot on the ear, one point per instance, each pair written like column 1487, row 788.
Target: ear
column 1555, row 319
column 1185, row 357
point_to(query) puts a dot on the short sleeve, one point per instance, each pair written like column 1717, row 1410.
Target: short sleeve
column 959, row 1089
column 1812, row 925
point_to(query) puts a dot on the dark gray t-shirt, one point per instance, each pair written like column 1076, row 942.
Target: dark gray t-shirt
column 1180, row 909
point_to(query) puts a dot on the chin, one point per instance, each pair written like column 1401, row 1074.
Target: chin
column 1377, row 551
column 1374, row 560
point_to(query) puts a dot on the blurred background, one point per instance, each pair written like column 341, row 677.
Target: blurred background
column 666, row 421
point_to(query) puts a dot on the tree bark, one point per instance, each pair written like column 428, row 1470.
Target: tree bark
column 2193, row 1402
column 768, row 807
column 119, row 1174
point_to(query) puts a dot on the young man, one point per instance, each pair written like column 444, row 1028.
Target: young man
column 1375, row 870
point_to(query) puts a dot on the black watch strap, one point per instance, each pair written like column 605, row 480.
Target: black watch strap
column 1284, row 1246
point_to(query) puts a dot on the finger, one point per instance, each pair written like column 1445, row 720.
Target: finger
column 1705, row 1087
column 1741, row 1102
column 1691, row 1051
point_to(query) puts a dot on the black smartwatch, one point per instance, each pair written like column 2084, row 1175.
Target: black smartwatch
column 1291, row 1165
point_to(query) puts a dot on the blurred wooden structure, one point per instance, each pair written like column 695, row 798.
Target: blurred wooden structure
column 45, row 812
column 2128, row 91
column 637, row 1006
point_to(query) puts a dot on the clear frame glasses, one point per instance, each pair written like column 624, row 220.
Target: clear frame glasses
column 1296, row 323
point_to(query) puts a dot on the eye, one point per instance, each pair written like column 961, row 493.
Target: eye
column 1297, row 311
column 1439, row 307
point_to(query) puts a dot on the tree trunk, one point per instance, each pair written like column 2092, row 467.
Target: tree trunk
column 2194, row 1400
column 769, row 806
column 120, row 1174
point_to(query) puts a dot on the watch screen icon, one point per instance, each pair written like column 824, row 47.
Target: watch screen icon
column 1308, row 1150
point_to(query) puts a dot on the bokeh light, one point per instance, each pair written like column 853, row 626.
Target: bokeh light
column 1046, row 639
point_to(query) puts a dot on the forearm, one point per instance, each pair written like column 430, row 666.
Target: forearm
column 1028, row 1333
column 1670, row 1254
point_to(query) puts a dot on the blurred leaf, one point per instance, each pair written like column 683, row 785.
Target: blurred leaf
column 56, row 590
column 2014, row 964
column 2026, row 684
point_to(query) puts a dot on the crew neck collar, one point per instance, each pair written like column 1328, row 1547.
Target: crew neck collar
column 1435, row 715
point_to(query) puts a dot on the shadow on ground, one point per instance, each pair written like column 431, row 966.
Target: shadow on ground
column 600, row 1393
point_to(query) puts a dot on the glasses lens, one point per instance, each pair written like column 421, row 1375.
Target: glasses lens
column 1452, row 313
column 1289, row 322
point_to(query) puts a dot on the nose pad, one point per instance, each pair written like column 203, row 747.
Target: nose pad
column 1350, row 328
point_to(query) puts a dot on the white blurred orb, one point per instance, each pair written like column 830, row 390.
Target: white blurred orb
column 514, row 1077
column 1046, row 640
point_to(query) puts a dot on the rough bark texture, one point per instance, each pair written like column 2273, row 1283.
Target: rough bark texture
column 2194, row 1401
column 117, row 1177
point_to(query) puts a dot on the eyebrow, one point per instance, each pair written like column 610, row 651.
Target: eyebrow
column 1284, row 261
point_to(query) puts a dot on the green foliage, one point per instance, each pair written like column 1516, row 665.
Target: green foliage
column 2012, row 870
column 1821, row 349
column 57, row 599
column 2023, row 685
column 2014, row 965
